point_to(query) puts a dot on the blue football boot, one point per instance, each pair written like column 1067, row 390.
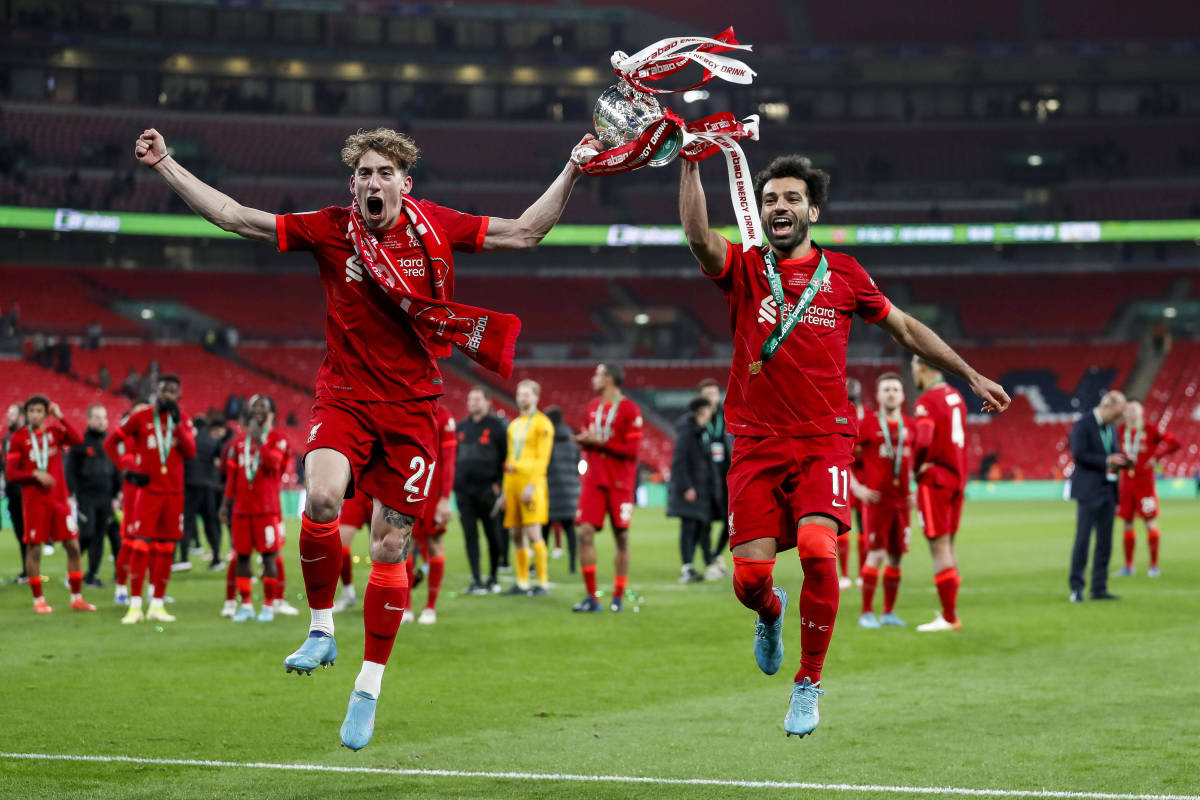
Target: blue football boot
column 890, row 618
column 360, row 720
column 588, row 605
column 768, row 638
column 868, row 620
column 802, row 716
column 244, row 614
column 318, row 650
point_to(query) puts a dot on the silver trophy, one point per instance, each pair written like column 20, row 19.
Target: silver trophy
column 622, row 113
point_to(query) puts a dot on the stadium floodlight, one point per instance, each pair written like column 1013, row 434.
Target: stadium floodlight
column 1170, row 312
column 694, row 95
column 1034, row 160
column 642, row 318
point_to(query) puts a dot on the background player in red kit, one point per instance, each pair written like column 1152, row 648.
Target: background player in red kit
column 162, row 440
column 609, row 445
column 386, row 264
column 354, row 514
column 254, row 467
column 790, row 306
column 429, row 529
column 126, row 459
column 940, row 462
column 35, row 460
column 1138, row 493
column 854, row 396
column 884, row 451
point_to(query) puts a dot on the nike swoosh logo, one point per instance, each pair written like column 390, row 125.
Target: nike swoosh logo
column 391, row 607
column 836, row 504
column 310, row 560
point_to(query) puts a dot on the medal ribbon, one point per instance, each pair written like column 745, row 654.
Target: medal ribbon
column 41, row 455
column 605, row 427
column 895, row 455
column 519, row 441
column 163, row 443
column 1133, row 449
column 251, row 458
column 786, row 325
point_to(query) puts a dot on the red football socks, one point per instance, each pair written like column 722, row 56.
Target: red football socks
column 160, row 567
column 76, row 581
column 891, row 588
column 752, row 584
column 123, row 557
column 320, row 560
column 35, row 583
column 347, row 567
column 437, row 569
column 1152, row 538
column 818, row 609
column 384, row 602
column 947, row 582
column 619, row 582
column 270, row 590
column 138, row 562
column 1130, row 542
column 243, row 589
column 280, row 577
column 843, row 555
column 422, row 547
column 863, row 547
column 870, row 579
column 410, row 570
column 231, row 585
column 589, row 579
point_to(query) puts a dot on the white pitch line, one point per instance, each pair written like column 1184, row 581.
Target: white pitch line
column 536, row 776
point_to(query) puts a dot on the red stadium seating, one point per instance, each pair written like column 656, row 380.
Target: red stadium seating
column 1174, row 403
column 59, row 301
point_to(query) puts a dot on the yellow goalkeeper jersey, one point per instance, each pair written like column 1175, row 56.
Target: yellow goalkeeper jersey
column 530, row 439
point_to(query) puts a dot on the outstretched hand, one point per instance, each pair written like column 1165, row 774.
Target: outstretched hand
column 588, row 148
column 995, row 399
column 150, row 147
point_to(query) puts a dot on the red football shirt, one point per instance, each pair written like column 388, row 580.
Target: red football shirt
column 141, row 440
column 941, row 442
column 1151, row 444
column 877, row 471
column 56, row 435
column 259, row 495
column 802, row 390
column 372, row 351
column 614, row 463
column 447, row 451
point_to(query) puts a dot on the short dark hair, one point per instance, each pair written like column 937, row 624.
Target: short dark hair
column 615, row 372
column 483, row 390
column 696, row 404
column 889, row 376
column 170, row 377
column 555, row 415
column 270, row 401
column 707, row 382
column 795, row 166
column 37, row 400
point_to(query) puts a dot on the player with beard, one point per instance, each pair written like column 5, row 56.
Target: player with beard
column 255, row 462
column 790, row 306
column 35, row 461
column 885, row 451
column 163, row 440
column 386, row 263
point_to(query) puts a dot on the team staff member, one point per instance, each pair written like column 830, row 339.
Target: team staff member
column 479, row 468
column 1096, row 450
column 720, row 444
column 202, row 489
column 94, row 483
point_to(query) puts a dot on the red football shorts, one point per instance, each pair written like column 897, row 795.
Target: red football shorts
column 940, row 508
column 49, row 521
column 159, row 517
column 595, row 501
column 262, row 533
column 392, row 447
column 129, row 494
column 356, row 511
column 775, row 481
column 886, row 526
column 1138, row 501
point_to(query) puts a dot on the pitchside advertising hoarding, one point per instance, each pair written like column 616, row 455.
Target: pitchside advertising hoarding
column 70, row 220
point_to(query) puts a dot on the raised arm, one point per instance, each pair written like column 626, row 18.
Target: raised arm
column 917, row 338
column 532, row 226
column 216, row 207
column 707, row 245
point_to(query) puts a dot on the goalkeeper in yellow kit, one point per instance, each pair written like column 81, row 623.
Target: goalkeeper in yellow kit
column 526, row 502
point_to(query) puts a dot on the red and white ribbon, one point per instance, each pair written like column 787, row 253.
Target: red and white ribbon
column 721, row 132
column 664, row 58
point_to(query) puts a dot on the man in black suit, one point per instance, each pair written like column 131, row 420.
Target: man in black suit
column 1098, row 460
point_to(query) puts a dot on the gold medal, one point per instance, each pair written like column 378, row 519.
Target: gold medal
column 895, row 481
column 164, row 469
column 755, row 367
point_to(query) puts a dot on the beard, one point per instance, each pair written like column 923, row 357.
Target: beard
column 790, row 239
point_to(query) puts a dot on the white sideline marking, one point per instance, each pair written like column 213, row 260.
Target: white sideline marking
column 535, row 776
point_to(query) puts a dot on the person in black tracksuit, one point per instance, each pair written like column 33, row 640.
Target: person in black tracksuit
column 202, row 489
column 690, row 495
column 94, row 483
column 12, row 491
column 720, row 443
column 562, row 481
column 479, row 469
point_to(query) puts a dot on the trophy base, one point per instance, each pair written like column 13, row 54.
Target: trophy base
column 668, row 150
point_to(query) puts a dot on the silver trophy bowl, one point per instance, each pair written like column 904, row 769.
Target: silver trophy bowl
column 622, row 113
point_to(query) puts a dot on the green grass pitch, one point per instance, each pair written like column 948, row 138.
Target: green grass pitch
column 1034, row 694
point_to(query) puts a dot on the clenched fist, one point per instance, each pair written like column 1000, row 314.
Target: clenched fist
column 150, row 147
